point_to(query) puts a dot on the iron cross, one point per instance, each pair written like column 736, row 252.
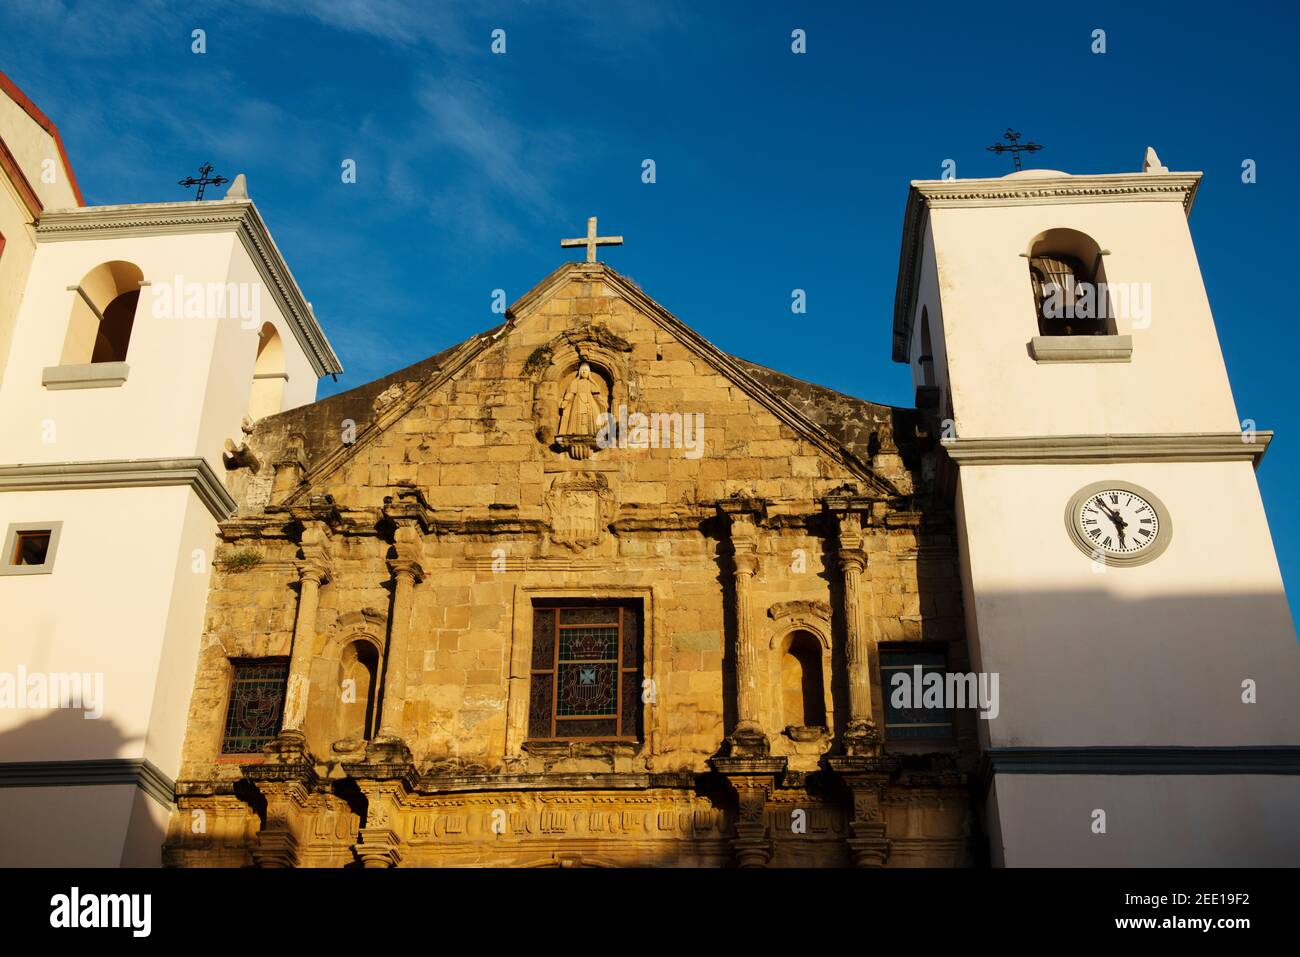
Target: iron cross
column 203, row 181
column 592, row 240
column 1015, row 148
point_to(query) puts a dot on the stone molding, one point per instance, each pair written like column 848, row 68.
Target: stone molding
column 124, row 473
column 87, row 375
column 1081, row 348
column 207, row 216
column 141, row 772
column 1138, row 759
column 1104, row 449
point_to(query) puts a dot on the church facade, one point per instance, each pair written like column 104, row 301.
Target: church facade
column 532, row 641
column 587, row 590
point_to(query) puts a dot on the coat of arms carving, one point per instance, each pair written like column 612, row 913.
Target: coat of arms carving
column 581, row 506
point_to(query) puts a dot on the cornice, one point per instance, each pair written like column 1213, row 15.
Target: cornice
column 90, row 773
column 1145, row 760
column 206, row 216
column 124, row 473
column 1052, row 190
column 1016, row 191
column 1101, row 449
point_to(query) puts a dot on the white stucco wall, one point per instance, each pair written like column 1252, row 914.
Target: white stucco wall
column 1151, row 820
column 1176, row 381
column 1147, row 655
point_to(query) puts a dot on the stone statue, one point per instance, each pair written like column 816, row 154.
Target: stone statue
column 583, row 402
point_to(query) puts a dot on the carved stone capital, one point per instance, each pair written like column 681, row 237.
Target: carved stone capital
column 316, row 568
column 406, row 567
column 852, row 560
column 316, row 564
column 745, row 563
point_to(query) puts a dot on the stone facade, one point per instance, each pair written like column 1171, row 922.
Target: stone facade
column 397, row 537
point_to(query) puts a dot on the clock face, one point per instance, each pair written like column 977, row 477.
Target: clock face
column 1118, row 521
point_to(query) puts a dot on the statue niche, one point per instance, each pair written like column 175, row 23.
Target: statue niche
column 580, row 375
column 583, row 406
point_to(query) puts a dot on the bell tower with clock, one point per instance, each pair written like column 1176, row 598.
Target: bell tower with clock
column 1117, row 567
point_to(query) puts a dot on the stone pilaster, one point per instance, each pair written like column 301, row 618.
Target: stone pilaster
column 315, row 568
column 287, row 791
column 379, row 843
column 405, row 565
column 752, row 780
column 866, row 779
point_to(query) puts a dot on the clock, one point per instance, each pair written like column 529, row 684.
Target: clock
column 1118, row 523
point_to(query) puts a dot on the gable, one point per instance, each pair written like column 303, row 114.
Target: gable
column 480, row 424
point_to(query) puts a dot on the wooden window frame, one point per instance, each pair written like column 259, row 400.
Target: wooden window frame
column 624, row 671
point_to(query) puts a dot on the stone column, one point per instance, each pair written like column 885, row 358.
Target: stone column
column 861, row 734
column 748, row 738
column 407, row 570
column 314, row 569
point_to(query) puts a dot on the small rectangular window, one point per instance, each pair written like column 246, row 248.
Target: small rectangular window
column 586, row 674
column 29, row 548
column 904, row 678
column 256, row 708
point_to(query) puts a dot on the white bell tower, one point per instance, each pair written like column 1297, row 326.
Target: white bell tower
column 1117, row 565
column 145, row 336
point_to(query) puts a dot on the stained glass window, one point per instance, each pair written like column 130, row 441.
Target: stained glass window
column 586, row 675
column 907, row 719
column 256, row 706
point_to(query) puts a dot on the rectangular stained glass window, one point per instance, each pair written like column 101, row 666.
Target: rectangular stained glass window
column 586, row 674
column 257, row 691
column 912, row 722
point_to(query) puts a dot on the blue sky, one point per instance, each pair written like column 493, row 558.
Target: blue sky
column 774, row 171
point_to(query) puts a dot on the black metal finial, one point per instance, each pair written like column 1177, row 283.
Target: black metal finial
column 202, row 181
column 1016, row 147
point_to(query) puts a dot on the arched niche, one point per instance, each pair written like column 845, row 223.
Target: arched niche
column 103, row 314
column 266, row 397
column 799, row 655
column 553, row 367
column 358, row 682
column 1067, row 274
column 346, row 696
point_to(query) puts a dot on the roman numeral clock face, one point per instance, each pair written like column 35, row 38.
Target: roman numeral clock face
column 1118, row 523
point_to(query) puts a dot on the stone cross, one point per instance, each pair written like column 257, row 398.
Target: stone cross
column 592, row 240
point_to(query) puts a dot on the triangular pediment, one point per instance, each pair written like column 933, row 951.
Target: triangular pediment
column 501, row 381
